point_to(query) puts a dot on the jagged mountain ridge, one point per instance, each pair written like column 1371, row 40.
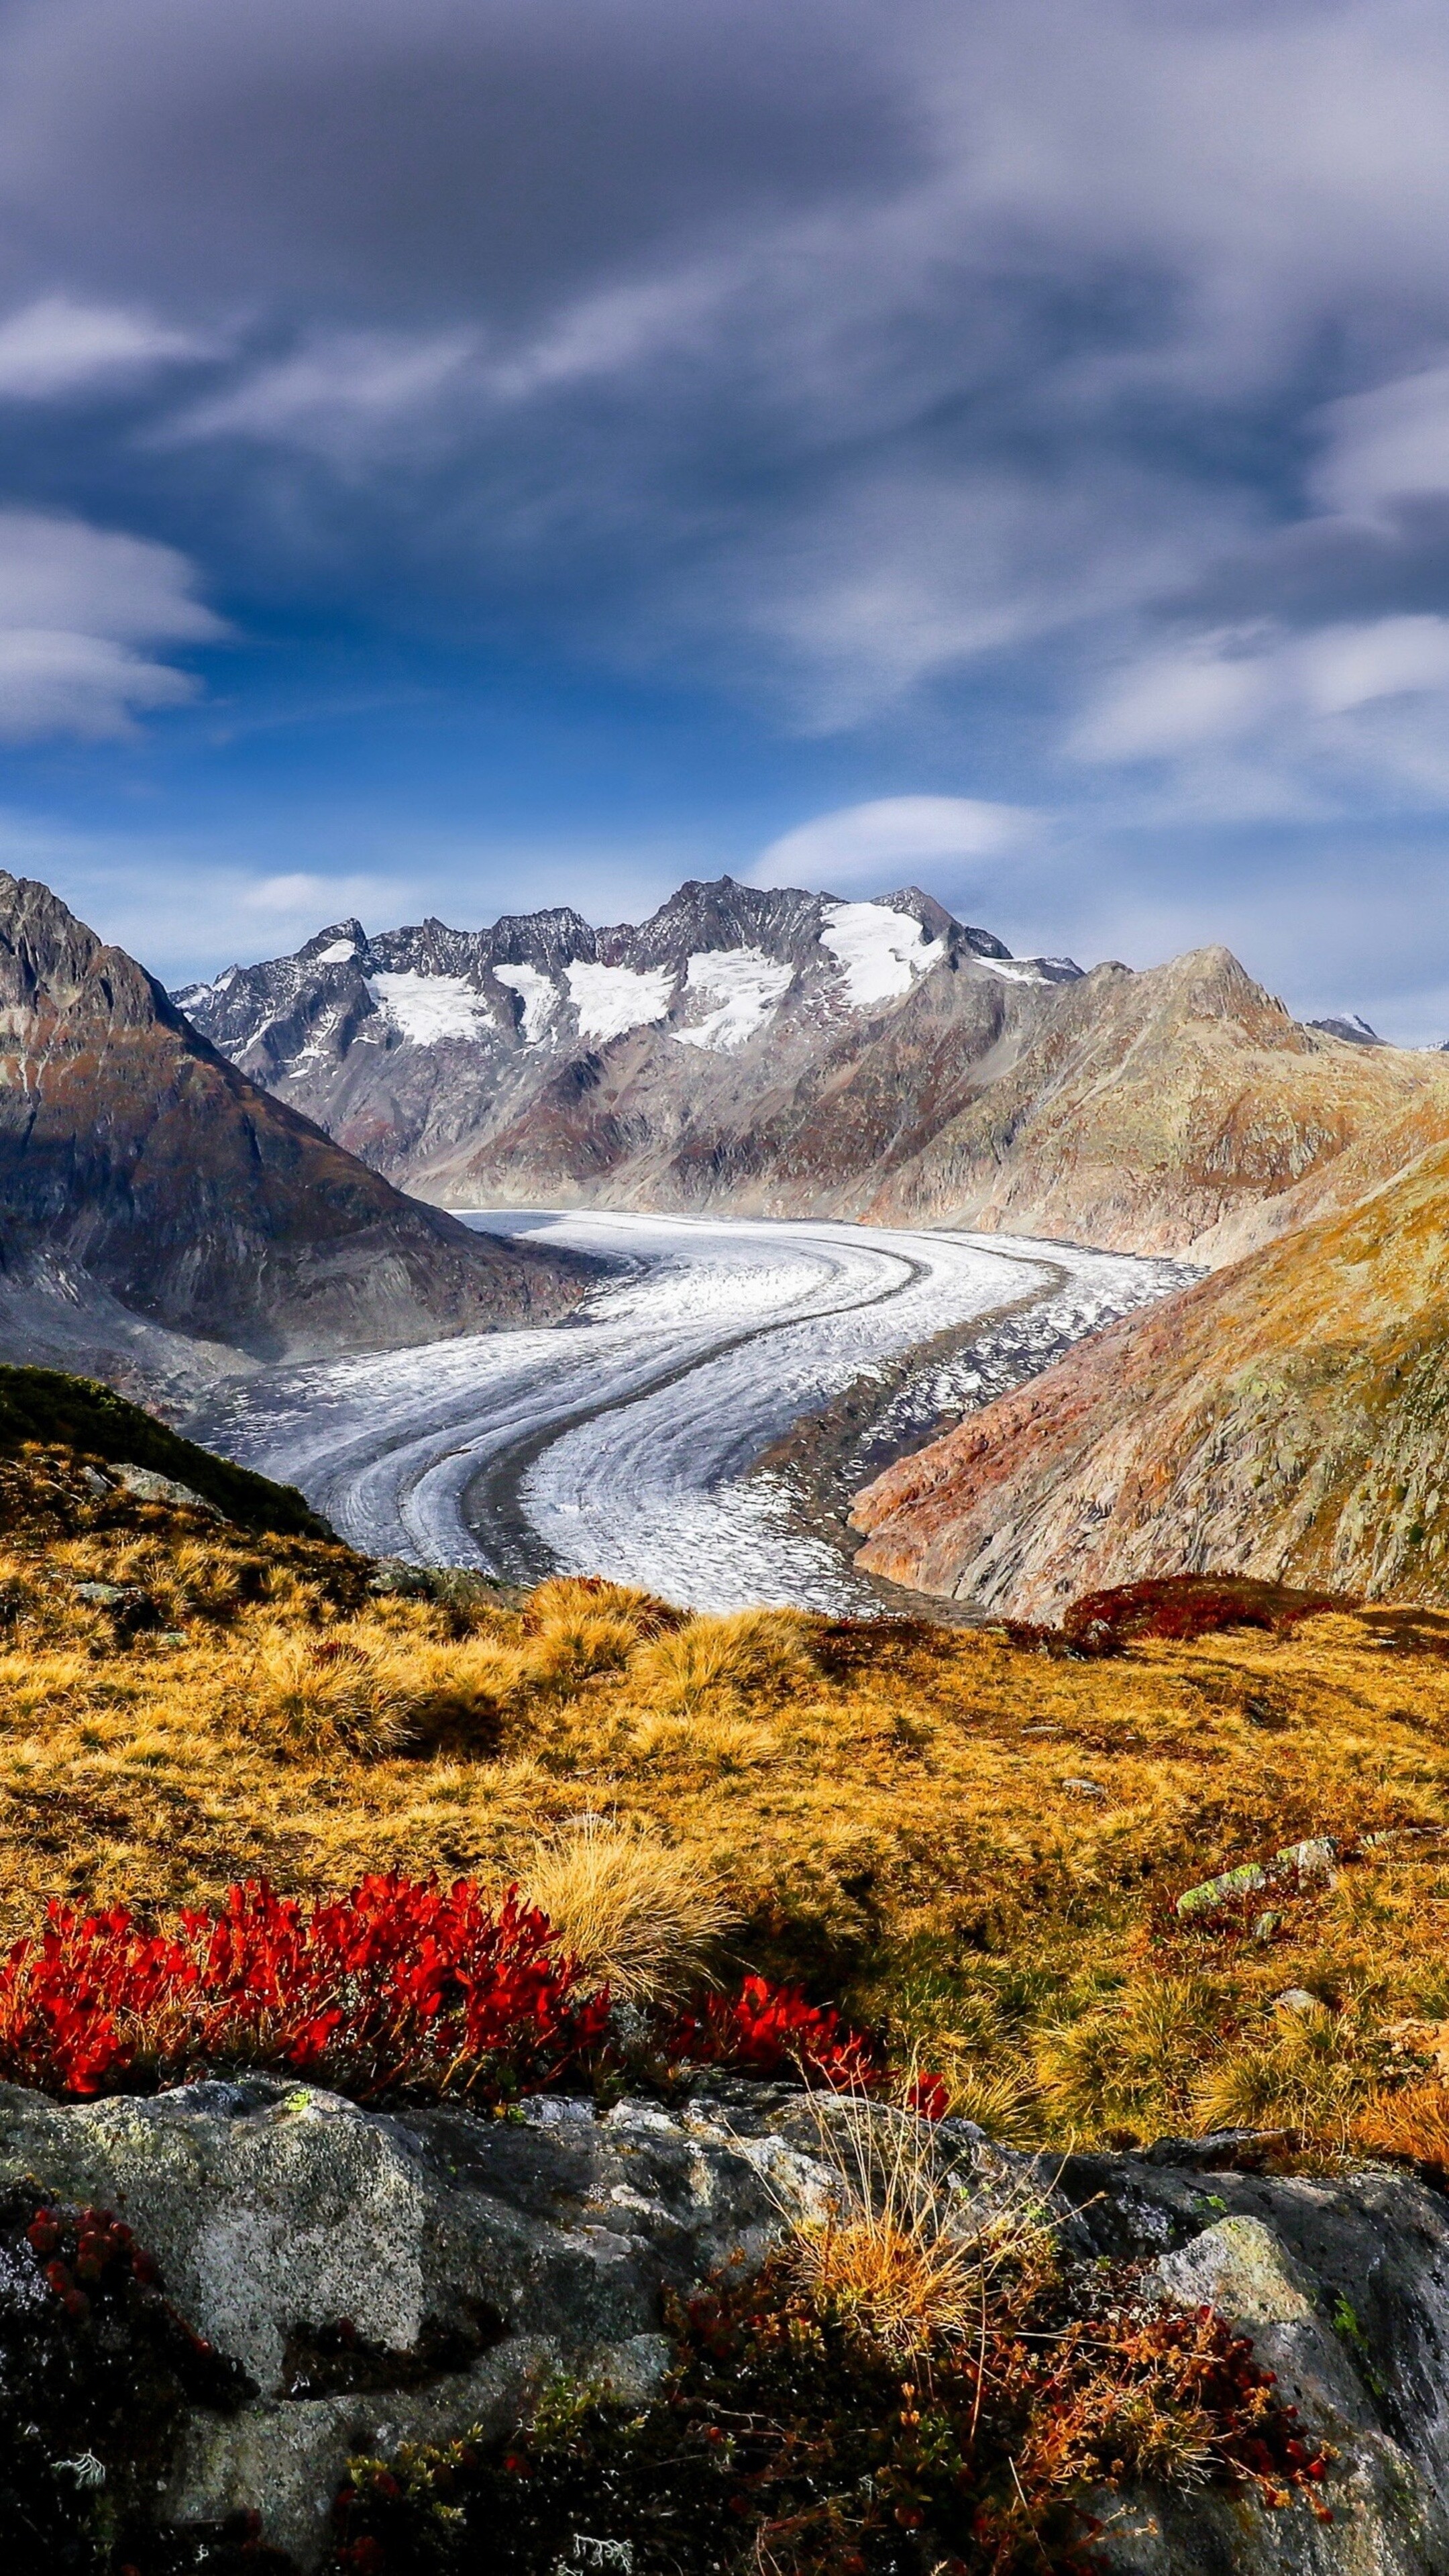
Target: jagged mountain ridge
column 784, row 1053
column 147, row 1183
column 479, row 1064
column 1287, row 1418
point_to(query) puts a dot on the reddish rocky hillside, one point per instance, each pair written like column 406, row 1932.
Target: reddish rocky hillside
column 1288, row 1418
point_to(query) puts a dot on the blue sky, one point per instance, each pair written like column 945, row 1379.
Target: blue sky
column 465, row 454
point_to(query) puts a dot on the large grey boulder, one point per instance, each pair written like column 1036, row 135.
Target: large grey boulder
column 391, row 2277
column 386, row 2278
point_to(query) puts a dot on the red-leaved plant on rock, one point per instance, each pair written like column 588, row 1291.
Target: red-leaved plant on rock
column 402, row 1988
column 775, row 2030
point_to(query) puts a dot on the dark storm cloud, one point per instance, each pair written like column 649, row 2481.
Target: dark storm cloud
column 401, row 160
column 837, row 352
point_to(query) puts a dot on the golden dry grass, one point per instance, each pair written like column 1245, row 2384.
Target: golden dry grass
column 637, row 1912
column 974, row 1845
column 899, row 2258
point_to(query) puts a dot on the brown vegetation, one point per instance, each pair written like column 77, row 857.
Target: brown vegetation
column 973, row 1844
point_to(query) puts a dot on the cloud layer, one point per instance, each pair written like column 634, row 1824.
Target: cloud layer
column 78, row 607
column 1044, row 404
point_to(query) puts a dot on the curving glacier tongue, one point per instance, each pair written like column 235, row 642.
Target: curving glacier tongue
column 626, row 1443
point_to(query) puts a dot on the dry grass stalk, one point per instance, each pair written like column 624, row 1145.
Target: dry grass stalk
column 1413, row 2122
column 639, row 1914
column 902, row 2258
column 738, row 1652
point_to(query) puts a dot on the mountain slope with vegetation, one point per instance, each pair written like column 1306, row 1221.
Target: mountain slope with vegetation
column 974, row 1846
column 788, row 1054
column 1288, row 1417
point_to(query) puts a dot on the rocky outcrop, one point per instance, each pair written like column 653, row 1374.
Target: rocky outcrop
column 784, row 1053
column 1284, row 1419
column 391, row 2278
column 1343, row 2286
column 142, row 1176
column 382, row 2278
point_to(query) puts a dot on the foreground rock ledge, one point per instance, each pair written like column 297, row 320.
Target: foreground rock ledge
column 470, row 2258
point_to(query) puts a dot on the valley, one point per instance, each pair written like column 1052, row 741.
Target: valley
column 627, row 1443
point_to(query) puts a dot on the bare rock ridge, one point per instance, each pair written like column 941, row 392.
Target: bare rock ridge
column 147, row 1184
column 784, row 1053
column 1286, row 1418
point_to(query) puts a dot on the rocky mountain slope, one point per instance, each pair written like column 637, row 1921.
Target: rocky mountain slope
column 784, row 1053
column 1288, row 1417
column 154, row 1197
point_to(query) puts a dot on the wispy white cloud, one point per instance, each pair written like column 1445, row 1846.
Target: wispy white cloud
column 1336, row 703
column 1386, row 445
column 57, row 347
column 342, row 395
column 79, row 606
column 873, row 846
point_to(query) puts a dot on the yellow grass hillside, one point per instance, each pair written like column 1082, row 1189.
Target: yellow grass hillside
column 974, row 1845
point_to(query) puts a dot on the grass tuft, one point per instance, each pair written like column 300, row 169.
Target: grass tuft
column 639, row 1915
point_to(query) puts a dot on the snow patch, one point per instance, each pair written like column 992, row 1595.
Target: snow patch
column 881, row 952
column 1033, row 970
column 745, row 983
column 429, row 1008
column 337, row 954
column 539, row 995
column 612, row 999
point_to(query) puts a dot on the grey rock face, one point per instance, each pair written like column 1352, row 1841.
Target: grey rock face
column 1343, row 2286
column 392, row 2277
column 466, row 2259
column 546, row 1058
column 143, row 1176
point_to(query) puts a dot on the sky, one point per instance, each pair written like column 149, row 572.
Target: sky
column 462, row 455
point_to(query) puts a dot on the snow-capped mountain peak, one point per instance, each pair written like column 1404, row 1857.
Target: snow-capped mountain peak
column 414, row 1045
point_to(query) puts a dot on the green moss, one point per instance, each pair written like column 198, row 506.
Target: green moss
column 79, row 1413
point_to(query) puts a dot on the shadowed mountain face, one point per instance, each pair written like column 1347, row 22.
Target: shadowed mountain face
column 1287, row 1418
column 783, row 1053
column 142, row 1175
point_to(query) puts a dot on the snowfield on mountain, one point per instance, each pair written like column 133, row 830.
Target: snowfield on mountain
column 776, row 1053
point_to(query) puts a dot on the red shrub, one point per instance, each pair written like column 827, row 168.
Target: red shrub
column 772, row 2030
column 1183, row 1606
column 403, row 1985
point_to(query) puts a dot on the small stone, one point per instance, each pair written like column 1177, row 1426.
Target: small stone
column 1312, row 1859
column 94, row 1482
column 102, row 1596
column 1296, row 1999
column 1085, row 1788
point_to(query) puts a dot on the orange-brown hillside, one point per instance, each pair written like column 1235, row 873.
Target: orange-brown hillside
column 1288, row 1417
column 1182, row 1109
column 972, row 1845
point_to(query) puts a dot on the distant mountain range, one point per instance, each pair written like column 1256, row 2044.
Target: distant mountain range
column 163, row 1216
column 785, row 1053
